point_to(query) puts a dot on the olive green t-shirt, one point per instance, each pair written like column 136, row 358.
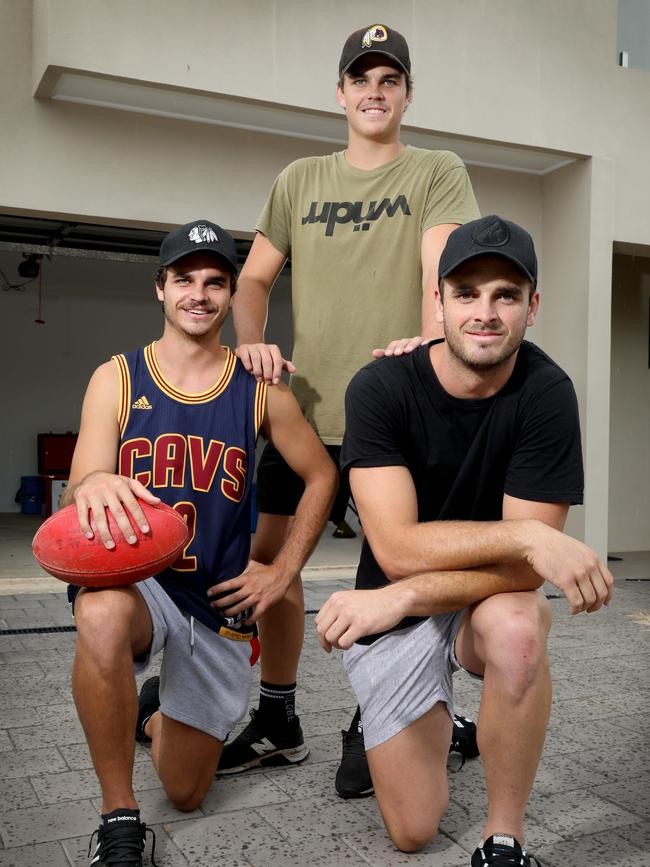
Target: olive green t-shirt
column 354, row 239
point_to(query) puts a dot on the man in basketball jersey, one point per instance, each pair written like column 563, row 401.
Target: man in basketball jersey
column 179, row 420
column 364, row 228
column 464, row 458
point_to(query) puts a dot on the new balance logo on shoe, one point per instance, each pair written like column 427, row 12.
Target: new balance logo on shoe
column 264, row 746
column 141, row 403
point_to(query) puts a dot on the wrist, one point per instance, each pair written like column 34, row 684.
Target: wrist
column 403, row 598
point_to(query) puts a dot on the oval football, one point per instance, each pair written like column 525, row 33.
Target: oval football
column 62, row 549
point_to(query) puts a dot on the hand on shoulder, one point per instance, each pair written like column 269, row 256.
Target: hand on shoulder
column 264, row 361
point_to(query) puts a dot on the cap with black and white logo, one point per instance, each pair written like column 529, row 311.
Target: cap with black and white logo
column 199, row 235
column 490, row 235
column 376, row 39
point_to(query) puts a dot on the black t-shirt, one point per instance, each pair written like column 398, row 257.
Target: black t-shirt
column 465, row 454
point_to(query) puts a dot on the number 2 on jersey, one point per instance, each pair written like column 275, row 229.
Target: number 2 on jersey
column 186, row 562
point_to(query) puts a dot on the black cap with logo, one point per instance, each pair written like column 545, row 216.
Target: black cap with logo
column 489, row 236
column 199, row 235
column 376, row 39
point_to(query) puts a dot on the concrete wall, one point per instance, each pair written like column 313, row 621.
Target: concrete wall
column 629, row 466
column 535, row 74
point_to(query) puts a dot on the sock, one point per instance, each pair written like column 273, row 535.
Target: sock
column 356, row 725
column 278, row 703
column 117, row 817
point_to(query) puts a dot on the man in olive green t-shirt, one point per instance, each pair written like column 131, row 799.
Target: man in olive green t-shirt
column 364, row 228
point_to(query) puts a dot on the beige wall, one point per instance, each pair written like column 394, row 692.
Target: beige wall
column 629, row 466
column 535, row 74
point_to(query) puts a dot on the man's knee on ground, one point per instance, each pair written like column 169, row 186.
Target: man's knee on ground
column 186, row 795
column 411, row 833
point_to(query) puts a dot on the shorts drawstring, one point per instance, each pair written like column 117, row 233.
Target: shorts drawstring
column 191, row 635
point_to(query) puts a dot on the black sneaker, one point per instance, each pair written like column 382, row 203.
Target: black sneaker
column 120, row 840
column 259, row 747
column 353, row 775
column 353, row 778
column 463, row 738
column 502, row 850
column 148, row 704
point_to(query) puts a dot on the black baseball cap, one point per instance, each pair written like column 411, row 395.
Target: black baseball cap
column 199, row 235
column 493, row 236
column 376, row 39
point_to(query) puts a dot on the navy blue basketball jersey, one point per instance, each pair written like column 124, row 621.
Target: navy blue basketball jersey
column 197, row 453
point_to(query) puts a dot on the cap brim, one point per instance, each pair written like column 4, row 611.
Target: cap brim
column 375, row 51
column 491, row 252
column 201, row 248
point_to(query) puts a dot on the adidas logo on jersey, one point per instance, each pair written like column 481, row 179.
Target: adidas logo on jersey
column 141, row 403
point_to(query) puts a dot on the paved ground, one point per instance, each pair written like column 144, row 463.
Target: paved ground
column 590, row 803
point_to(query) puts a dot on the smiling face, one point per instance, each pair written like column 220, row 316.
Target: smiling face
column 374, row 96
column 485, row 309
column 196, row 295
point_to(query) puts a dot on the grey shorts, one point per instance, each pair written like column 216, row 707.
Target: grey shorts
column 206, row 685
column 402, row 675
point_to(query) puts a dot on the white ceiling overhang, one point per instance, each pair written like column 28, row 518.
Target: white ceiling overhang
column 275, row 119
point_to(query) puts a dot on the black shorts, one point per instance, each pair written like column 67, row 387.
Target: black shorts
column 279, row 489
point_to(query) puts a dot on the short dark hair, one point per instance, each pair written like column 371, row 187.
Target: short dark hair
column 160, row 278
column 357, row 67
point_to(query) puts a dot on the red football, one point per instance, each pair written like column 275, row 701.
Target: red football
column 63, row 550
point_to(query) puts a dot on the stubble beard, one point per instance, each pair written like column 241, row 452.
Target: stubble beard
column 474, row 361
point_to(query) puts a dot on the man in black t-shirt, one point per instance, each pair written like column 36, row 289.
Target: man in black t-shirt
column 464, row 458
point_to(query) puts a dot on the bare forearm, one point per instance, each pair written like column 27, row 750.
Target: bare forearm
column 311, row 516
column 439, row 592
column 452, row 545
column 249, row 310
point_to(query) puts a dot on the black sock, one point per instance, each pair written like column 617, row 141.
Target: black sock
column 356, row 725
column 278, row 703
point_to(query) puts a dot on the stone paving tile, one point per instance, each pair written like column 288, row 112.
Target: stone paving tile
column 77, row 756
column 618, row 761
column 242, row 793
column 638, row 835
column 562, row 774
column 222, row 837
column 325, row 722
column 577, row 813
column 329, row 699
column 596, row 850
column 25, row 763
column 51, row 854
column 322, row 853
column 60, row 714
column 5, row 741
column 376, row 848
column 632, row 794
column 19, row 695
column 73, row 785
column 14, row 672
column 16, row 794
column 18, row 655
column 307, row 781
column 315, row 817
column 43, row 824
column 332, row 679
column 637, row 723
column 33, row 737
